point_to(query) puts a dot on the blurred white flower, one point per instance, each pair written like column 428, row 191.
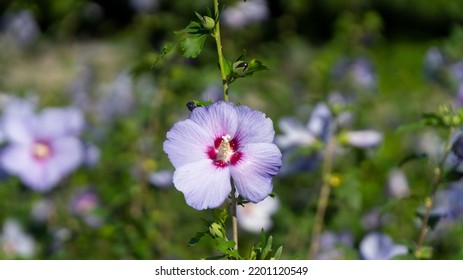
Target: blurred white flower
column 254, row 217
column 397, row 184
column 362, row 138
column 15, row 242
column 245, row 13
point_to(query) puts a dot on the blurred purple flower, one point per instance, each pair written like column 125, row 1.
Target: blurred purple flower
column 42, row 210
column 14, row 242
column 43, row 148
column 144, row 6
column 298, row 137
column 162, row 178
column 245, row 13
column 356, row 73
column 434, row 63
column 85, row 204
column 331, row 245
column 117, row 98
column 379, row 246
column 449, row 202
column 22, row 28
column 254, row 217
column 219, row 142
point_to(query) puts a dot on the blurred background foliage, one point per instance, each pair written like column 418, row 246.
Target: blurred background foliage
column 98, row 55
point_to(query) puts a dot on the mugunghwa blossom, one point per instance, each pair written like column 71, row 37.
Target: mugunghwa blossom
column 362, row 138
column 219, row 142
column 297, row 136
column 332, row 245
column 14, row 242
column 42, row 148
column 22, row 28
column 254, row 217
column 85, row 204
column 379, row 246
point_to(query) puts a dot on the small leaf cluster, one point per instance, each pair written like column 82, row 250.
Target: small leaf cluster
column 444, row 117
column 216, row 231
column 262, row 250
column 239, row 68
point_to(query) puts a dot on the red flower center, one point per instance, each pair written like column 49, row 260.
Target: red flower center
column 225, row 151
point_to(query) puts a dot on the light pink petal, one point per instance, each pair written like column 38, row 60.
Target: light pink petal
column 253, row 126
column 203, row 184
column 217, row 120
column 187, row 142
column 253, row 173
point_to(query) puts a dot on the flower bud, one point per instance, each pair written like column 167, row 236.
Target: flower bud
column 240, row 68
column 191, row 105
column 207, row 22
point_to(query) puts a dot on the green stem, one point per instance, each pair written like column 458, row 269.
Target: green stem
column 218, row 42
column 429, row 201
column 324, row 196
column 234, row 216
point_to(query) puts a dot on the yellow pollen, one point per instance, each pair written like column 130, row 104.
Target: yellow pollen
column 224, row 152
column 41, row 150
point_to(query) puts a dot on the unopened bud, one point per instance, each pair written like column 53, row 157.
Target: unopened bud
column 207, row 22
column 240, row 68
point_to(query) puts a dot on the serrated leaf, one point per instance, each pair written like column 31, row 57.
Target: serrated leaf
column 193, row 28
column 193, row 45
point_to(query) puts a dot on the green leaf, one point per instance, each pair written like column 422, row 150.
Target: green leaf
column 412, row 126
column 227, row 65
column 164, row 51
column 255, row 66
column 412, row 157
column 194, row 28
column 196, row 239
column 277, row 254
column 452, row 176
column 193, row 45
column 224, row 246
